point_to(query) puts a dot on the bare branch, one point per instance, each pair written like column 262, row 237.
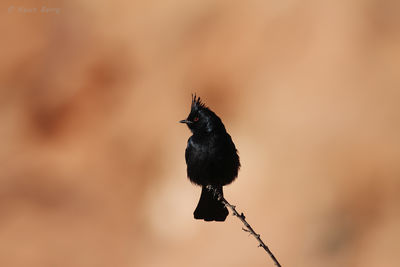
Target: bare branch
column 241, row 217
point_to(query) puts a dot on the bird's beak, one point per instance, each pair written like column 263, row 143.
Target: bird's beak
column 185, row 121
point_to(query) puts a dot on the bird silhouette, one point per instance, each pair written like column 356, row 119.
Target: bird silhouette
column 211, row 159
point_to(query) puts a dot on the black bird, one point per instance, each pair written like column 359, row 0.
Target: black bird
column 211, row 159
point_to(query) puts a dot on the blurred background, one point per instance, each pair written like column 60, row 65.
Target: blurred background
column 92, row 169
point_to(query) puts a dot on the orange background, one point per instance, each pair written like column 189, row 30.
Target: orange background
column 92, row 169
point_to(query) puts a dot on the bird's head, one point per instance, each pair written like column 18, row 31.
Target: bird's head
column 201, row 119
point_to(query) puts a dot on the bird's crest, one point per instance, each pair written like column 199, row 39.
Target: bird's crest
column 196, row 102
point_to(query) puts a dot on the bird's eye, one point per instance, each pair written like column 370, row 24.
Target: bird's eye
column 196, row 119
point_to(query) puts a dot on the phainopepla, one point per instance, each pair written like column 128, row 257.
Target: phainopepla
column 211, row 159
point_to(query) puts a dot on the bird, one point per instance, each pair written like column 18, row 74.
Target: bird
column 211, row 159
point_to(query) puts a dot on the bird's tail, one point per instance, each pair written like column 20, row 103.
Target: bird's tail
column 209, row 207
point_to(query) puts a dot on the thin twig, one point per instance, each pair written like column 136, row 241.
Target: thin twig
column 241, row 217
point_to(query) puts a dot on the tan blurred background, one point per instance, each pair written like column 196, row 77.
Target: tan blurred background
column 92, row 169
